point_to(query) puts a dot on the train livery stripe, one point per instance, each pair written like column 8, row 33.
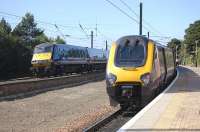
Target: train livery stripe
column 145, row 109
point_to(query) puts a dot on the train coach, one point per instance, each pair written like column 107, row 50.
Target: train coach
column 137, row 69
column 54, row 59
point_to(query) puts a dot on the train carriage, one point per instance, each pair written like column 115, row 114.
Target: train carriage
column 137, row 69
column 53, row 59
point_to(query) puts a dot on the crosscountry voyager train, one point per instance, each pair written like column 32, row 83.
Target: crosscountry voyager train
column 137, row 70
column 53, row 59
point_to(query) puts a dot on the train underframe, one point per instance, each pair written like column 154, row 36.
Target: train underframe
column 137, row 96
column 54, row 69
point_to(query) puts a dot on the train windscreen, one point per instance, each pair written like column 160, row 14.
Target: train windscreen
column 130, row 53
column 43, row 49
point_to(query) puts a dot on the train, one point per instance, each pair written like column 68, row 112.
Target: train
column 138, row 68
column 56, row 59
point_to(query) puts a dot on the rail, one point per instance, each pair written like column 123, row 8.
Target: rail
column 13, row 89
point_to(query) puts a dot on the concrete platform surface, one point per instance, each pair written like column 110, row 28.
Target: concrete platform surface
column 176, row 109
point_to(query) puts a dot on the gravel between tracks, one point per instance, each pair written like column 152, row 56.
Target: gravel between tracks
column 85, row 120
column 66, row 109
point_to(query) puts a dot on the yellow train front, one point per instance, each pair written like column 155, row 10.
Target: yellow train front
column 137, row 69
column 42, row 59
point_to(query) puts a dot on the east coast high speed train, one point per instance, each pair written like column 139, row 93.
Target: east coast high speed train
column 137, row 68
column 53, row 59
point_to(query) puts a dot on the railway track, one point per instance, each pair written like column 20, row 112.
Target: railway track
column 17, row 88
column 116, row 120
column 112, row 122
column 27, row 78
column 15, row 79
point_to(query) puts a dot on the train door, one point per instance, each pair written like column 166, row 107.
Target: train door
column 156, row 70
column 162, row 64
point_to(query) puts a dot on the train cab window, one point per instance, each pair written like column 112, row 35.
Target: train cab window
column 130, row 53
column 43, row 49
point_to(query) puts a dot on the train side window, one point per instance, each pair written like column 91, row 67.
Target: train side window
column 161, row 59
column 79, row 53
column 155, row 53
column 82, row 54
column 75, row 53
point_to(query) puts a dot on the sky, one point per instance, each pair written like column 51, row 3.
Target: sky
column 165, row 18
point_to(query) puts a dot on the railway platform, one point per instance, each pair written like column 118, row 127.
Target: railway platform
column 175, row 109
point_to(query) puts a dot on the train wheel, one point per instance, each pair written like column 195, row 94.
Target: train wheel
column 124, row 106
column 138, row 103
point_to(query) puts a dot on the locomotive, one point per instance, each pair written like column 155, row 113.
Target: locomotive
column 54, row 59
column 138, row 68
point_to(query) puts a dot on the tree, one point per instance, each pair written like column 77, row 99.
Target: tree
column 40, row 39
column 59, row 40
column 14, row 56
column 5, row 27
column 16, row 46
column 175, row 44
column 27, row 30
column 192, row 33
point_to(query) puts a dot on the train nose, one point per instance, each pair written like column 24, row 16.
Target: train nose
column 34, row 62
column 127, row 91
column 40, row 62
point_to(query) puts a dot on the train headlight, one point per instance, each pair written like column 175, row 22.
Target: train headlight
column 146, row 78
column 111, row 78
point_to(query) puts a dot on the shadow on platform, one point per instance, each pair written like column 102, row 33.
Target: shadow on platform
column 188, row 81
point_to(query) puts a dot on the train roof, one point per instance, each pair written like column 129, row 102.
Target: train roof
column 43, row 45
column 140, row 37
column 133, row 38
column 69, row 46
column 62, row 45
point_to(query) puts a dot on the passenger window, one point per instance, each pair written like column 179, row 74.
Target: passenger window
column 82, row 54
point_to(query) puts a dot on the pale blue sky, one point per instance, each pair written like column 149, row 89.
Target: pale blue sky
column 169, row 17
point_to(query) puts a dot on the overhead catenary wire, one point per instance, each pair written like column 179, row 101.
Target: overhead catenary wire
column 39, row 21
column 83, row 30
column 135, row 20
column 103, row 35
column 122, row 11
column 125, row 13
column 60, row 31
column 147, row 23
column 164, row 37
column 70, row 39
column 57, row 26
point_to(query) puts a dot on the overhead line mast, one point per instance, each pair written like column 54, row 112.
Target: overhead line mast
column 144, row 21
column 140, row 27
